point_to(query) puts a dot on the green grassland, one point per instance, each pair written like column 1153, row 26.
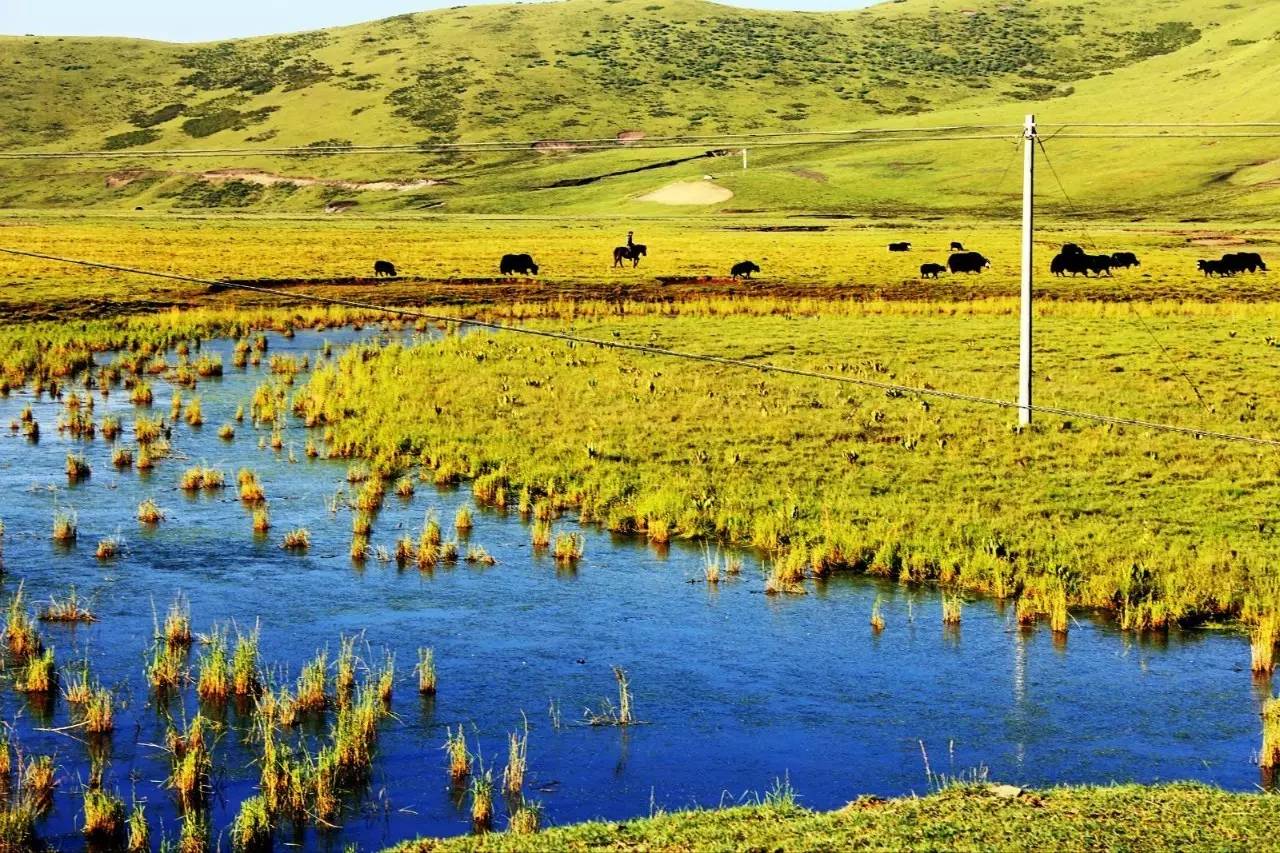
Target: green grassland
column 1171, row 817
column 828, row 259
column 823, row 476
column 587, row 68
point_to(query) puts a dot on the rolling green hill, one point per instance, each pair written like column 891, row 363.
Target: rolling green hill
column 598, row 68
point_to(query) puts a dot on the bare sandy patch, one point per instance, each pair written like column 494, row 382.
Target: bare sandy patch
column 689, row 192
column 267, row 179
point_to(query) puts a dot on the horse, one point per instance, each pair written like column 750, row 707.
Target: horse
column 631, row 253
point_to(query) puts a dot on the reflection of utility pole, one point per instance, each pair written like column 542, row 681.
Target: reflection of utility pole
column 1019, row 695
column 744, row 159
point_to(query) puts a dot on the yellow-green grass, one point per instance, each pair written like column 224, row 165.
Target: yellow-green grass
column 1159, row 527
column 846, row 258
column 593, row 68
column 1167, row 817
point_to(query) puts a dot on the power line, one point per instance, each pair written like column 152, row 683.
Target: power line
column 1158, row 136
column 1174, row 124
column 754, row 140
column 646, row 349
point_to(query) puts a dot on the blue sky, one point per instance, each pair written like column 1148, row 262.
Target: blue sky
column 186, row 20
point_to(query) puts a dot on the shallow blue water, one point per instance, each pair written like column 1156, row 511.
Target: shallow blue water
column 736, row 689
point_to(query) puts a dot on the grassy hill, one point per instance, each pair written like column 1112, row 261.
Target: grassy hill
column 597, row 68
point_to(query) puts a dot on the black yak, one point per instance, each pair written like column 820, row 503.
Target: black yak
column 1213, row 268
column 956, row 247
column 1097, row 264
column 743, row 269
column 518, row 265
column 1125, row 260
column 967, row 262
column 1243, row 261
column 931, row 270
column 900, row 247
column 381, row 268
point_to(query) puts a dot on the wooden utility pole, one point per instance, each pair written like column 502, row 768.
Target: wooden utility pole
column 1029, row 140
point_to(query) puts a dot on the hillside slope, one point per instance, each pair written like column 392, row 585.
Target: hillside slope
column 597, row 68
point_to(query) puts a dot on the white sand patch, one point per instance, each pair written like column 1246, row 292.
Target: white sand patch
column 689, row 192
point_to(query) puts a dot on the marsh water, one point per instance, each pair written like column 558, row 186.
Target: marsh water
column 735, row 689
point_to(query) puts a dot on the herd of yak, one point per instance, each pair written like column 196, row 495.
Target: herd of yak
column 1076, row 261
column 1072, row 259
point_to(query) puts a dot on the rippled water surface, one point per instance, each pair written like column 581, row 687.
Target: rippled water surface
column 735, row 689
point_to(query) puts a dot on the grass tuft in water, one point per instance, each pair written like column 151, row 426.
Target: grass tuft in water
column 104, row 817
column 1262, row 644
column 20, row 633
column 952, row 607
column 167, row 669
column 38, row 778
column 526, row 819
column 455, row 747
column 517, row 762
column 1269, row 755
column 482, row 802
column 39, row 675
column 311, row 695
column 252, row 831
column 344, row 680
column 122, row 457
column 108, row 549
column 214, row 681
column 67, row 610
column 77, row 467
column 191, row 763
column 568, row 548
column 177, row 624
column 139, row 834
column 245, row 678
column 608, row 715
column 462, row 520
column 250, row 487
column 297, row 540
column 426, row 671
column 64, row 527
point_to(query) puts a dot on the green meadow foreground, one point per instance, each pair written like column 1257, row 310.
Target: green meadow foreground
column 1127, row 817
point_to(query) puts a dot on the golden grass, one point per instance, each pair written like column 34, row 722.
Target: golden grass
column 104, row 815
column 68, row 609
column 459, row 756
column 426, row 671
column 297, row 540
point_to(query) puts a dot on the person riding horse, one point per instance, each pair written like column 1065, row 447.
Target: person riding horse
column 633, row 251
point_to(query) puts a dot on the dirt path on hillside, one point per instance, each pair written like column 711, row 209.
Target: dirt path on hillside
column 270, row 179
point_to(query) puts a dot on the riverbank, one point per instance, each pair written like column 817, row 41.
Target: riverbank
column 1123, row 817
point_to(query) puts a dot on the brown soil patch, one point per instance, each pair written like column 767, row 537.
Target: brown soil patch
column 810, row 175
column 269, row 179
column 1211, row 239
column 115, row 180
